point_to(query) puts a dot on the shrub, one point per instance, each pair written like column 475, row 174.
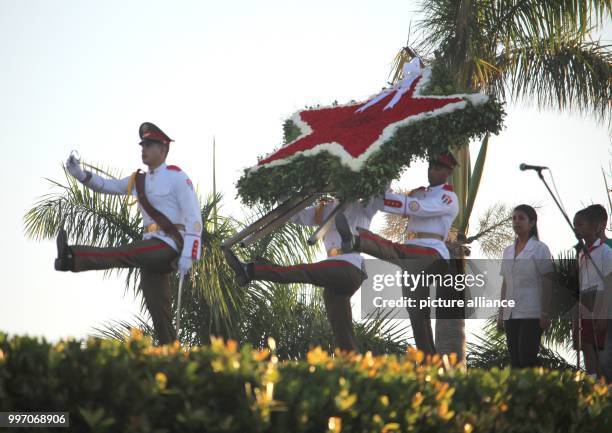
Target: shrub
column 132, row 386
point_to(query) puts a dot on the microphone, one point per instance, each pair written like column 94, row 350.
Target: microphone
column 524, row 167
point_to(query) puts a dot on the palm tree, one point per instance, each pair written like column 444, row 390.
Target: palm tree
column 529, row 50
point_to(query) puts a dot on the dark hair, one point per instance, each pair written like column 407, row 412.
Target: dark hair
column 590, row 215
column 599, row 211
column 532, row 216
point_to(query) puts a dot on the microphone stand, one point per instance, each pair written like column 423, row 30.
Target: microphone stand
column 582, row 247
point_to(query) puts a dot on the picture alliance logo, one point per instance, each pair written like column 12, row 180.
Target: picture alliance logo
column 459, row 282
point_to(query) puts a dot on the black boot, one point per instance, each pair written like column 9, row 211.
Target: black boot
column 241, row 269
column 348, row 239
column 63, row 262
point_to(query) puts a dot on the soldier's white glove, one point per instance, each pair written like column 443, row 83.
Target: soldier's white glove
column 184, row 264
column 74, row 168
column 191, row 252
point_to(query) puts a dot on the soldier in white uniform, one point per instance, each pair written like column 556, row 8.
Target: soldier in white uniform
column 172, row 227
column 432, row 211
column 340, row 274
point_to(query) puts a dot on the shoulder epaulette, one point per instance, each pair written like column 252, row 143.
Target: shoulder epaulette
column 173, row 167
column 447, row 187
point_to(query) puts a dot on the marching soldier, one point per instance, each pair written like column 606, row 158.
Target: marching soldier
column 340, row 274
column 431, row 210
column 172, row 226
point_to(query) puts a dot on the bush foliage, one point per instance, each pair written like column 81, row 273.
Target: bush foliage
column 132, row 386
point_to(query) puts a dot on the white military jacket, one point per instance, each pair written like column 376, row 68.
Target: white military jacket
column 358, row 214
column 171, row 192
column 431, row 210
column 590, row 280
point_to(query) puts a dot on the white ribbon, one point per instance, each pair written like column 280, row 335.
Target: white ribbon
column 412, row 71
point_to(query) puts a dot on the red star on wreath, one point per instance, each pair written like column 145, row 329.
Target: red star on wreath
column 354, row 131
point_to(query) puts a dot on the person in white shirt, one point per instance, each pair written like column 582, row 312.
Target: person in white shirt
column 432, row 211
column 340, row 274
column 595, row 277
column 172, row 221
column 527, row 272
column 601, row 214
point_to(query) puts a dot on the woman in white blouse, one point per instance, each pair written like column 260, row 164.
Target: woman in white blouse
column 527, row 272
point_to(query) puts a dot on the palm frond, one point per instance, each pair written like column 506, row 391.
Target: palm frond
column 490, row 351
column 380, row 333
column 474, row 184
column 524, row 49
column 506, row 20
column 89, row 218
column 120, row 329
column 394, row 227
column 494, row 230
column 564, row 72
column 564, row 297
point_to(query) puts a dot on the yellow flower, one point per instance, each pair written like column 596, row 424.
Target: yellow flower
column 384, row 400
column 135, row 334
column 317, row 356
column 217, row 344
column 600, row 389
column 390, row 427
column 232, row 346
column 367, row 361
column 416, row 355
column 334, row 424
column 344, row 400
column 468, row 428
column 161, row 379
column 444, row 413
column 270, row 390
column 217, row 365
column 260, row 355
column 417, row 399
column 271, row 344
column 442, row 388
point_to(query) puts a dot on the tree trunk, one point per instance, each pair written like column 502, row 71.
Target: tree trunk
column 450, row 333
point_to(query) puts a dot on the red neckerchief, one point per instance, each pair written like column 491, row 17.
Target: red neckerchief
column 593, row 247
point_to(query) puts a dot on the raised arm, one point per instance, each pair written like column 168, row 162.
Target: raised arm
column 95, row 182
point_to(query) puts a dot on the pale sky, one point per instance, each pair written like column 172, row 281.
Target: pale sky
column 84, row 75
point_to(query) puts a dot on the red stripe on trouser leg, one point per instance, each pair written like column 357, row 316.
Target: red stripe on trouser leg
column 123, row 253
column 153, row 254
column 404, row 248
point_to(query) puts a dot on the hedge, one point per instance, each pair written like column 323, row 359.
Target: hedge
column 134, row 387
